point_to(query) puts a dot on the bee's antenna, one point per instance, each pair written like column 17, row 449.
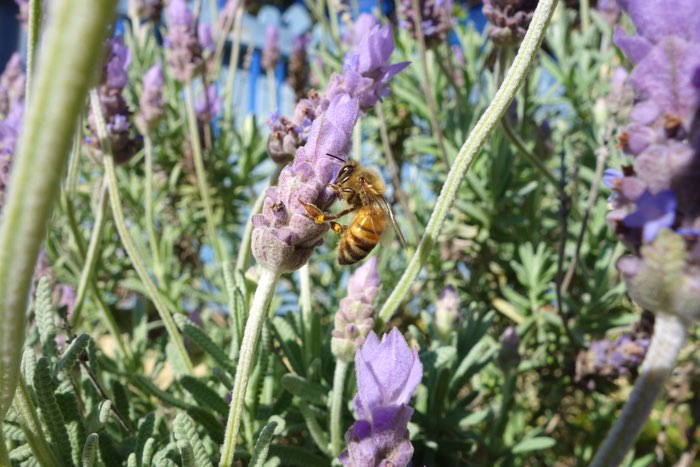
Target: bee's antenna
column 335, row 157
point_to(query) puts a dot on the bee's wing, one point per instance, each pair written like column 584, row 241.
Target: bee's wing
column 379, row 202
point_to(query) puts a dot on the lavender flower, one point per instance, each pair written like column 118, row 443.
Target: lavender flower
column 436, row 19
column 509, row 19
column 12, row 84
column 354, row 318
column 365, row 77
column 656, row 202
column 364, row 23
column 9, row 134
column 151, row 101
column 208, row 104
column 298, row 66
column 115, row 110
column 388, row 373
column 185, row 52
column 23, row 15
column 610, row 359
column 284, row 236
column 446, row 312
column 271, row 50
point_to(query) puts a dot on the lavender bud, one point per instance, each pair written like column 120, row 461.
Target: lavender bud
column 271, row 50
column 354, row 318
column 509, row 19
column 508, row 357
column 284, row 236
column 115, row 75
column 388, row 373
column 446, row 313
column 151, row 101
column 364, row 23
column 185, row 52
column 436, row 19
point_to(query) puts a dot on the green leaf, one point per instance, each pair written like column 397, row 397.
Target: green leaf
column 204, row 342
column 90, row 450
column 533, row 444
column 186, row 453
column 45, row 317
column 205, row 395
column 184, row 430
column 262, row 445
column 305, row 389
column 70, row 356
column 51, row 412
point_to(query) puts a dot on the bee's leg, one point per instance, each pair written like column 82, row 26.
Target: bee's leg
column 337, row 227
column 315, row 213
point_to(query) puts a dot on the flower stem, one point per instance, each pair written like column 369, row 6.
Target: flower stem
column 669, row 335
column 201, row 175
column 34, row 28
column 305, row 299
column 426, row 82
column 127, row 241
column 261, row 299
column 150, row 223
column 4, row 456
column 336, row 428
column 65, row 68
column 233, row 64
column 488, row 121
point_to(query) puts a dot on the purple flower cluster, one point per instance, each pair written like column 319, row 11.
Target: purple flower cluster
column 151, row 100
column 114, row 107
column 271, row 49
column 509, row 19
column 388, row 373
column 354, row 318
column 284, row 236
column 436, row 19
column 656, row 202
column 611, row 359
column 365, row 77
column 183, row 41
column 12, row 88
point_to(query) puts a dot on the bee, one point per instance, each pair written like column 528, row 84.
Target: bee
column 363, row 190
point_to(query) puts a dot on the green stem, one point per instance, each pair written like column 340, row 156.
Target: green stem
column 202, row 184
column 150, row 223
column 4, row 455
column 426, row 82
column 33, row 30
column 65, row 68
column 271, row 83
column 477, row 137
column 127, row 241
column 335, row 29
column 258, row 308
column 336, row 428
column 90, row 260
column 305, row 298
column 233, row 65
column 31, row 426
column 669, row 335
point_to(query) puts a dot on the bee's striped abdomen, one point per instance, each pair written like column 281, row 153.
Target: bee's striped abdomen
column 361, row 236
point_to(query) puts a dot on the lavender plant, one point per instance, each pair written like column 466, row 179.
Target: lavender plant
column 187, row 310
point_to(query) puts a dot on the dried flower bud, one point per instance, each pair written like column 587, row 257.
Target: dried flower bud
column 446, row 313
column 436, row 19
column 509, row 19
column 508, row 357
column 388, row 373
column 354, row 318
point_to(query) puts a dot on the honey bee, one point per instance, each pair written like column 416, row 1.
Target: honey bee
column 363, row 190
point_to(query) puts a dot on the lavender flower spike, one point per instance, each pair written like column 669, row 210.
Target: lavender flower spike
column 185, row 51
column 151, row 101
column 388, row 373
column 271, row 50
column 354, row 319
column 284, row 236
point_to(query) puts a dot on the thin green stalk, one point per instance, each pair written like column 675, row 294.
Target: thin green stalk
column 233, row 65
column 335, row 29
column 90, row 260
column 31, row 426
column 33, row 30
column 271, row 83
column 202, row 184
column 150, row 222
column 477, row 137
column 669, row 335
column 256, row 316
column 65, row 68
column 127, row 241
column 4, row 455
column 522, row 148
column 426, row 82
column 336, row 428
column 305, row 299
